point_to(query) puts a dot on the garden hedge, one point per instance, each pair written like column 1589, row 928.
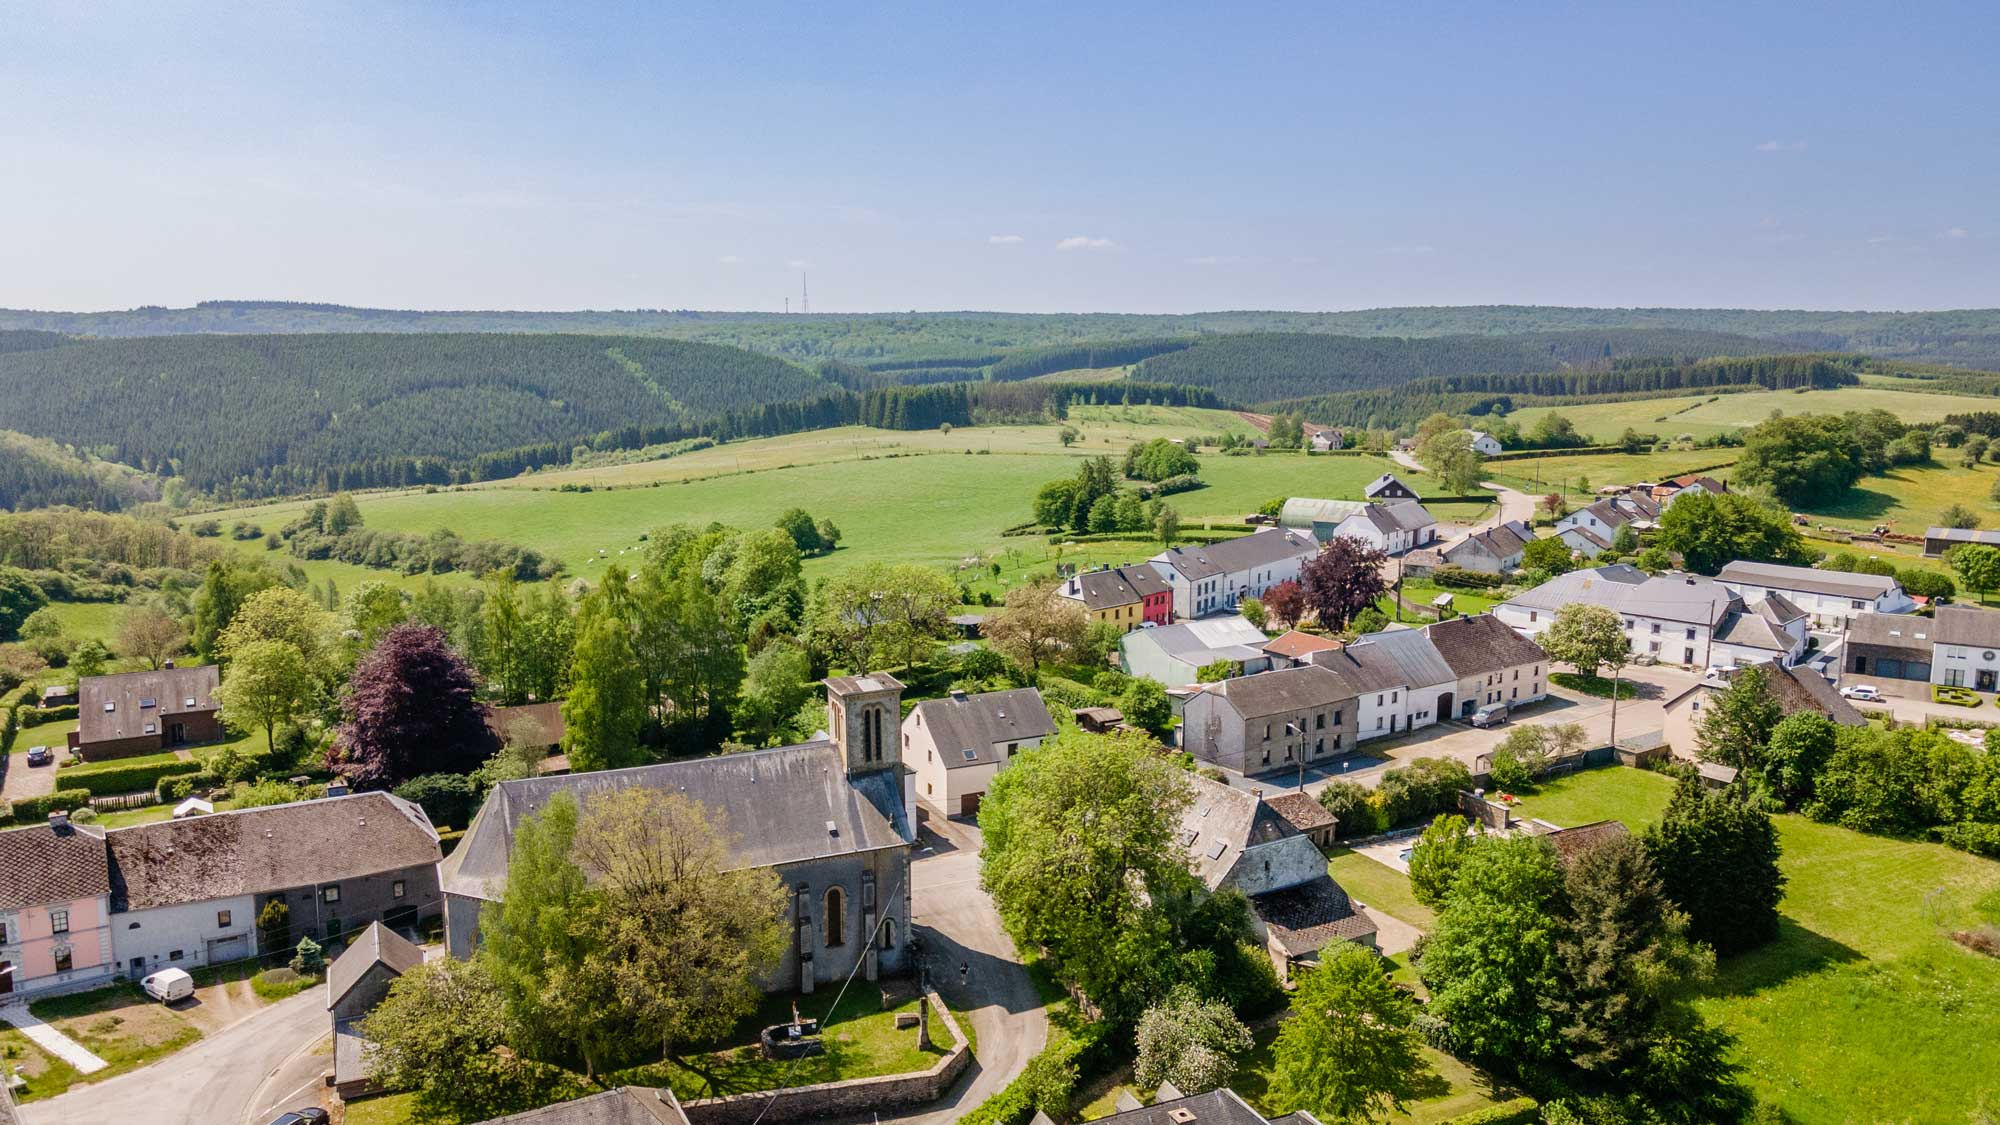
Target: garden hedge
column 34, row 716
column 31, row 810
column 111, row 779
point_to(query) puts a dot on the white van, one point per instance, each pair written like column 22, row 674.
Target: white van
column 169, row 985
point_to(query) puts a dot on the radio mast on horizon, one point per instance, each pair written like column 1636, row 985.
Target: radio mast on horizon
column 805, row 301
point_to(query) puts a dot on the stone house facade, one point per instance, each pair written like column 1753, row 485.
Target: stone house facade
column 1271, row 722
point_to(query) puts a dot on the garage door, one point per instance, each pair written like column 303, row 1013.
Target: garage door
column 223, row 950
column 968, row 804
column 1916, row 671
column 1889, row 669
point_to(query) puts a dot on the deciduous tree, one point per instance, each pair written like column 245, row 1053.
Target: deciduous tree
column 606, row 706
column 1189, row 1041
column 412, row 708
column 443, row 1033
column 268, row 683
column 1342, row 580
column 1737, row 724
column 1977, row 566
column 147, row 633
column 1491, row 959
column 1350, row 1051
column 1437, row 857
column 1708, row 531
column 1035, row 626
column 1586, row 637
column 1285, row 602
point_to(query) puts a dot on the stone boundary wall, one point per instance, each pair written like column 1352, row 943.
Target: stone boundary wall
column 842, row 1099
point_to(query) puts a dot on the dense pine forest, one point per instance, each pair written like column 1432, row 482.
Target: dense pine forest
column 257, row 415
column 1268, row 367
column 1964, row 338
column 38, row 473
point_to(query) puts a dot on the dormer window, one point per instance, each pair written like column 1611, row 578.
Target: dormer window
column 110, row 707
column 149, row 701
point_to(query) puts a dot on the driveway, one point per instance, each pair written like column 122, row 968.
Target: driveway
column 230, row 1078
column 960, row 927
column 22, row 780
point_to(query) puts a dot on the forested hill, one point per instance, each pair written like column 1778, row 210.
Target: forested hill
column 1267, row 366
column 1965, row 337
column 257, row 415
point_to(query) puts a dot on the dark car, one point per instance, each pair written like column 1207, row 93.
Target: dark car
column 40, row 756
column 311, row 1115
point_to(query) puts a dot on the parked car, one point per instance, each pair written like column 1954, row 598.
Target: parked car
column 1866, row 693
column 310, row 1115
column 40, row 755
column 168, row 985
column 1491, row 715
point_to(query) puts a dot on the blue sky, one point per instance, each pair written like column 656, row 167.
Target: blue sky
column 1076, row 156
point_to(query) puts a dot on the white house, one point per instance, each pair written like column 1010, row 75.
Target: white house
column 1668, row 491
column 1392, row 528
column 1213, row 578
column 1675, row 618
column 1173, row 654
column 1484, row 443
column 955, row 745
column 1324, row 439
column 1589, row 531
column 1966, row 649
column 1831, row 598
column 1398, row 678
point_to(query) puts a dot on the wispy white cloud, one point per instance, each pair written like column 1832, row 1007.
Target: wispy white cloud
column 729, row 259
column 1224, row 260
column 1781, row 146
column 797, row 264
column 1412, row 250
column 1003, row 239
column 1084, row 242
column 1958, row 232
column 1882, row 239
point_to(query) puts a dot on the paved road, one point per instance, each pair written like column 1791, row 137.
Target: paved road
column 961, row 927
column 225, row 1079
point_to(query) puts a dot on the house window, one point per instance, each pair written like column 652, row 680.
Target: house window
column 58, row 921
column 1690, row 633
column 1013, row 748
column 1656, row 628
column 330, row 893
column 1395, row 697
column 175, row 955
column 1336, row 718
column 396, row 889
column 3, row 933
column 1855, row 605
column 222, row 919
column 1533, row 617
column 1267, row 732
column 1378, row 701
column 62, row 959
column 1319, row 721
column 836, row 918
column 888, row 933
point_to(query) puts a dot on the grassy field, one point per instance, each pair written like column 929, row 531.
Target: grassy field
column 1705, row 415
column 1379, row 887
column 1863, row 1003
column 1910, row 498
column 1542, row 475
column 946, row 509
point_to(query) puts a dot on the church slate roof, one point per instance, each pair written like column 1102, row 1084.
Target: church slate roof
column 775, row 805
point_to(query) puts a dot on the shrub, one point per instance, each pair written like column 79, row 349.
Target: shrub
column 447, row 798
column 112, row 778
column 1957, row 696
column 1423, row 789
column 1457, row 577
column 1520, row 1111
column 308, row 959
column 84, row 815
column 1353, row 815
column 172, row 789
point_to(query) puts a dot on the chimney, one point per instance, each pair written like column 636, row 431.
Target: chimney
column 59, row 822
column 168, row 663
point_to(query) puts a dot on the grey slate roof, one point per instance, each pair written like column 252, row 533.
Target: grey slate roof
column 1963, row 535
column 1627, row 590
column 1114, row 586
column 1217, row 1107
column 872, row 682
column 1409, row 651
column 1405, row 515
column 1375, row 670
column 1834, row 583
column 1385, row 481
column 1482, row 644
column 1221, row 815
column 254, row 851
column 1965, row 625
column 1908, row 632
column 1282, row 691
column 1500, row 542
column 1798, row 689
column 1190, row 637
column 1307, row 916
column 171, row 691
column 1245, row 552
column 40, row 866
column 626, row 1105
column 1301, row 811
column 377, row 945
column 775, row 805
column 976, row 722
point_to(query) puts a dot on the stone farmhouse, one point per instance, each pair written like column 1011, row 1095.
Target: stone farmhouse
column 1674, row 618
column 1494, row 664
column 834, row 818
column 1236, row 839
column 190, row 892
column 1831, row 598
column 1273, row 722
column 146, row 712
column 1891, row 646
column 1123, row 596
column 1213, row 578
column 956, row 745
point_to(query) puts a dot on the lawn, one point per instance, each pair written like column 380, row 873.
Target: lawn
column 1909, row 499
column 88, row 620
column 118, row 1023
column 54, row 734
column 1863, row 1002
column 861, row 1040
column 1595, row 685
column 898, row 496
column 1379, row 887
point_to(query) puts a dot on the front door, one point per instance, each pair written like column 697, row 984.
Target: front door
column 1444, row 706
column 6, row 977
column 968, row 804
column 1984, row 679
